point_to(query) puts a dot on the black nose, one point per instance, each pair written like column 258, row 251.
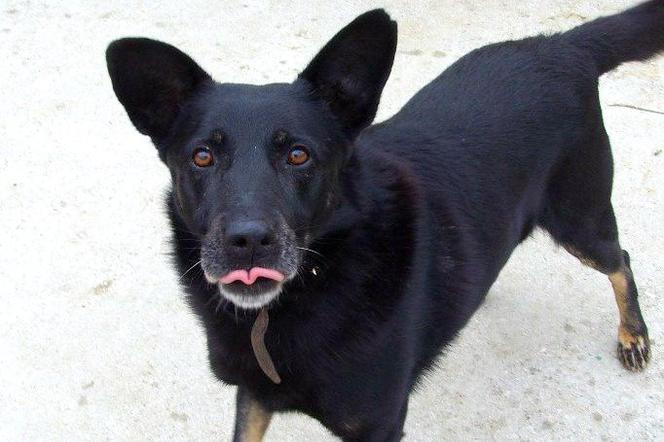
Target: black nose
column 249, row 236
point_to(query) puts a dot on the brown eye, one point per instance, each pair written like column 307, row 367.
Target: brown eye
column 203, row 157
column 298, row 155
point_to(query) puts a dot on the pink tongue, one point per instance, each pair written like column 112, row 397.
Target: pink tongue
column 252, row 275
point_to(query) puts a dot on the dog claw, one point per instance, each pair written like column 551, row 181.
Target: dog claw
column 634, row 352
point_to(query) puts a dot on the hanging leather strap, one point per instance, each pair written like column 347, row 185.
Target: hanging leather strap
column 260, row 350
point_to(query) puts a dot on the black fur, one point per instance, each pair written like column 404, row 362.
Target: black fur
column 397, row 233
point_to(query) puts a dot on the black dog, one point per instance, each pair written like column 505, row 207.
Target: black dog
column 367, row 249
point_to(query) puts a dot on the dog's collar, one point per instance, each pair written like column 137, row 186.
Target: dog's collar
column 258, row 345
column 258, row 331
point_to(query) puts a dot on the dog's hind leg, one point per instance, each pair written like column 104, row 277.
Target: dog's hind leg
column 580, row 217
column 251, row 418
column 633, row 343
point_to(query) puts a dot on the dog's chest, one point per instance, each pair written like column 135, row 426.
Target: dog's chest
column 309, row 371
column 235, row 360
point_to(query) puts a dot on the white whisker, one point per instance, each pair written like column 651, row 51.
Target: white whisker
column 190, row 268
column 221, row 300
column 310, row 250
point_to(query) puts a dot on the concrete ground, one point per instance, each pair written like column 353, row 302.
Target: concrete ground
column 86, row 355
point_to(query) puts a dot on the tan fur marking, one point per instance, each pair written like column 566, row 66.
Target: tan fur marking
column 626, row 338
column 257, row 422
column 620, row 282
column 633, row 350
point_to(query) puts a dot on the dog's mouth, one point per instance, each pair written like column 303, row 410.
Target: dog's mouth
column 252, row 276
column 250, row 289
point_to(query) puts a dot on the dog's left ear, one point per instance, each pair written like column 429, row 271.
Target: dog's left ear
column 349, row 73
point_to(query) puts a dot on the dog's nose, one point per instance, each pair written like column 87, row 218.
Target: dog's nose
column 249, row 236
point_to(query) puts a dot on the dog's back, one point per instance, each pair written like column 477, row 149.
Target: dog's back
column 497, row 132
column 511, row 137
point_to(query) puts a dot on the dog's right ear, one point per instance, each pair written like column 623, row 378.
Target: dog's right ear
column 152, row 80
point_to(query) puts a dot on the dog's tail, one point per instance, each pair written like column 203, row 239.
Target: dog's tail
column 634, row 34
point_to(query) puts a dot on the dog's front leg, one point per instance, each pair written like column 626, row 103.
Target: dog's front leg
column 251, row 418
column 386, row 430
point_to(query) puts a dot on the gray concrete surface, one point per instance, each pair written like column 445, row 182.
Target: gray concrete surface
column 96, row 342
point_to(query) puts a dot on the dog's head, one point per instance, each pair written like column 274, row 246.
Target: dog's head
column 255, row 169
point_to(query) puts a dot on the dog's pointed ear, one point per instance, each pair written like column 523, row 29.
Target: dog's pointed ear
column 152, row 80
column 349, row 73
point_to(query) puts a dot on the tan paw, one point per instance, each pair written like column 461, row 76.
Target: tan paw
column 633, row 350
